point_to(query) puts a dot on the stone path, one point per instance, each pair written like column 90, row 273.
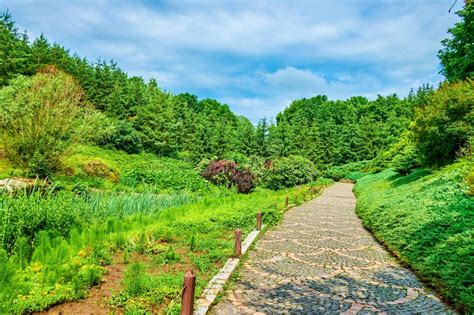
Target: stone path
column 321, row 260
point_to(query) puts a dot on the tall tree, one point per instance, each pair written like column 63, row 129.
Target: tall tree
column 14, row 50
column 457, row 54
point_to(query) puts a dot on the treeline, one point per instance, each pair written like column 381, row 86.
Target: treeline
column 126, row 112
column 129, row 114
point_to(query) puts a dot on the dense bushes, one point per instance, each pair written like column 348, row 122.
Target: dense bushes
column 445, row 124
column 95, row 167
column 36, row 116
column 290, row 171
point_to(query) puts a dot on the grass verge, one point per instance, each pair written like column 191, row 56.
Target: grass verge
column 427, row 220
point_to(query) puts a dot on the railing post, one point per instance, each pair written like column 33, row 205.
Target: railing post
column 187, row 301
column 287, row 202
column 259, row 221
column 238, row 243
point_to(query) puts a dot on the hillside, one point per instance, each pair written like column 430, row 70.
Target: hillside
column 426, row 219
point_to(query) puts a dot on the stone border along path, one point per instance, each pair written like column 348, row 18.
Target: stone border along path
column 321, row 260
column 216, row 285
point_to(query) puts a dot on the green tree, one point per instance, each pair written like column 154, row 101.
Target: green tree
column 445, row 124
column 14, row 50
column 457, row 54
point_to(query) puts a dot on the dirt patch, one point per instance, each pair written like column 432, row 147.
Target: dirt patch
column 95, row 303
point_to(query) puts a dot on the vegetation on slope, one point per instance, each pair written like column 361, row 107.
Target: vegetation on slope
column 426, row 219
column 75, row 236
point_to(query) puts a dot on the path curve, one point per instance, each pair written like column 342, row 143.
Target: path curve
column 320, row 259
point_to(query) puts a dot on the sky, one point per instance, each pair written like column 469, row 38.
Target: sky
column 255, row 56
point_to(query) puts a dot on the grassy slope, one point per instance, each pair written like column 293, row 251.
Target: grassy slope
column 130, row 172
column 427, row 220
column 119, row 171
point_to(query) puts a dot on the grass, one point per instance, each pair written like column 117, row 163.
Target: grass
column 427, row 219
column 55, row 247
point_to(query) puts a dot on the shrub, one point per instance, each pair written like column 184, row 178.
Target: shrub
column 290, row 171
column 243, row 181
column 220, row 172
column 227, row 173
column 445, row 124
column 37, row 115
column 97, row 128
column 102, row 170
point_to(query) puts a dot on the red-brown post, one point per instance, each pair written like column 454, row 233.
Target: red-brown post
column 238, row 243
column 287, row 202
column 187, row 301
column 259, row 221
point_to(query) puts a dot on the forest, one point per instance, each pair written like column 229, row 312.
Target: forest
column 120, row 173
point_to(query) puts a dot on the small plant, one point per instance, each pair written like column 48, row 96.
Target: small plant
column 126, row 257
column 192, row 242
column 135, row 279
column 170, row 256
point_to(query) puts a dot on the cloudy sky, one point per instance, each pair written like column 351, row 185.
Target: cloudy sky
column 256, row 56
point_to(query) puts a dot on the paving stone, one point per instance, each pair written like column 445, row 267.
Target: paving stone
column 321, row 260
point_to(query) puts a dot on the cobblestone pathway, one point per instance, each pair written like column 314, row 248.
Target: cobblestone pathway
column 321, row 260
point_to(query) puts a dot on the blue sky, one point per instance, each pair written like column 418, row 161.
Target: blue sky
column 256, row 56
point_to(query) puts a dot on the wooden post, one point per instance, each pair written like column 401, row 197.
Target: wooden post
column 238, row 243
column 287, row 202
column 187, row 301
column 259, row 221
column 296, row 199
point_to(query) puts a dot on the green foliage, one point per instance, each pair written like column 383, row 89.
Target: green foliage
column 36, row 118
column 426, row 220
column 58, row 242
column 96, row 128
column 290, row 171
column 339, row 132
column 14, row 49
column 445, row 124
column 142, row 172
column 457, row 55
column 346, row 171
